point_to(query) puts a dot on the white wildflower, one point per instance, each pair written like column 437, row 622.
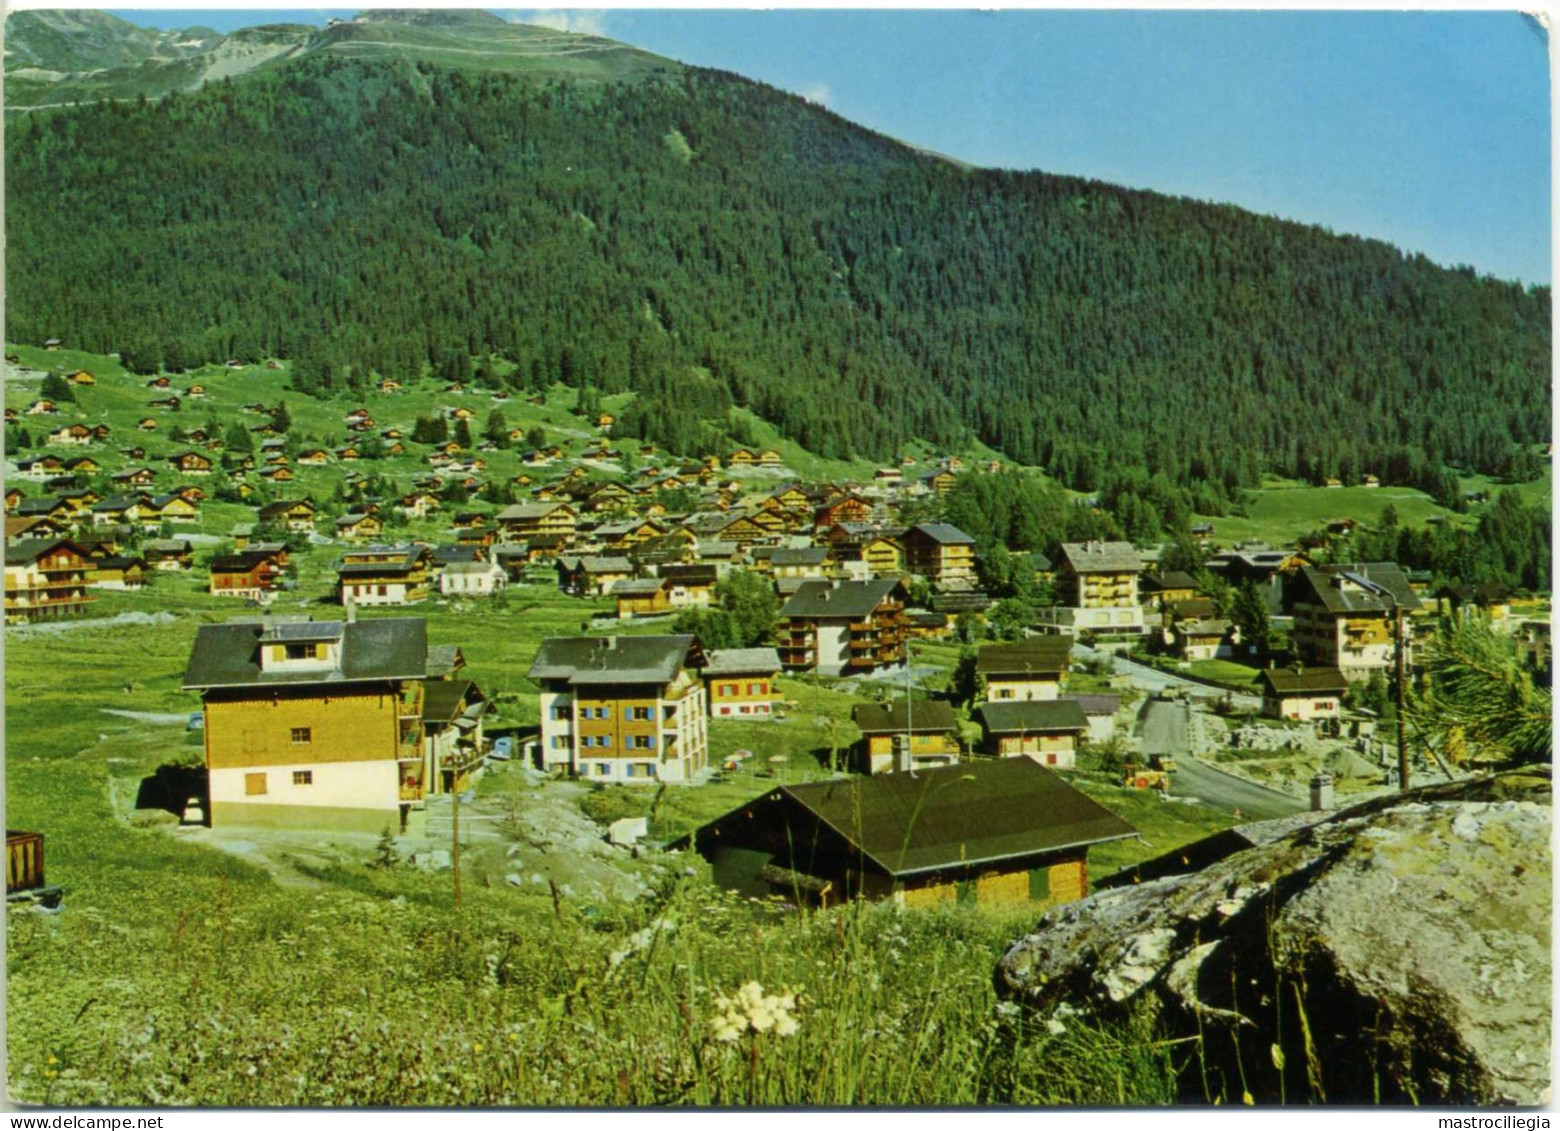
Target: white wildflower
column 752, row 1010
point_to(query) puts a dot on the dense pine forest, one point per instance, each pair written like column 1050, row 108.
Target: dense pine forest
column 709, row 242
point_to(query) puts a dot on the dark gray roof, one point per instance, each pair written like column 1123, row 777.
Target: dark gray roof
column 1097, row 704
column 1034, row 715
column 520, row 511
column 742, row 661
column 583, row 660
column 1311, row 681
column 228, row 655
column 444, row 659
column 44, row 504
column 944, row 533
column 1038, row 655
column 959, row 816
column 923, row 715
column 636, row 587
column 386, row 559
column 1102, row 557
column 847, row 599
column 442, row 699
column 1349, row 588
column 809, row 555
column 1169, row 579
column 25, row 550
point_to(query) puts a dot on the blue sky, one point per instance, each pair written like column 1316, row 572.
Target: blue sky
column 1428, row 129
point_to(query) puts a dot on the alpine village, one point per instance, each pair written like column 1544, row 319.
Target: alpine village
column 573, row 580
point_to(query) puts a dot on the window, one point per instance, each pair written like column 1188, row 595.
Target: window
column 254, row 785
column 560, row 713
column 756, row 689
column 303, row 777
column 728, row 689
column 639, row 713
column 641, row 742
column 601, row 769
column 1005, row 693
column 302, row 736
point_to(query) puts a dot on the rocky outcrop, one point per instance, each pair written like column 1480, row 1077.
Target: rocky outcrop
column 1398, row 951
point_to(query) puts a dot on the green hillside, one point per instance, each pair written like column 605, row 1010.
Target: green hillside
column 394, row 198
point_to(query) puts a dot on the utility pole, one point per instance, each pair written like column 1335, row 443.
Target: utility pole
column 1402, row 719
column 455, row 853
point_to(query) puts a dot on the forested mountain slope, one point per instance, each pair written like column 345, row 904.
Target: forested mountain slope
column 705, row 240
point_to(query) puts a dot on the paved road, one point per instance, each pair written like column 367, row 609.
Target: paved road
column 1164, row 730
column 1194, row 778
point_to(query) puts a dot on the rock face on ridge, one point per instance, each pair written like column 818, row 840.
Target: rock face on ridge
column 1397, row 952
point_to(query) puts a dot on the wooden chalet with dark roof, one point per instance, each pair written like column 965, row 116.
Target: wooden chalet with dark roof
column 314, row 724
column 45, row 578
column 1047, row 731
column 250, row 574
column 383, row 575
column 1303, row 695
column 1344, row 616
column 1031, row 669
column 991, row 833
column 740, row 682
column 901, row 736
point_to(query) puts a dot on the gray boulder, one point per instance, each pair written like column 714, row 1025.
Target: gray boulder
column 1397, row 951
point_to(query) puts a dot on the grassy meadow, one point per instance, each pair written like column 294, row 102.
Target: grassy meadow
column 180, row 975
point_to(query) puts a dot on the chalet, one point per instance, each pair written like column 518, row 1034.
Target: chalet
column 1332, row 483
column 116, row 572
column 1202, row 638
column 1027, row 670
column 472, row 579
column 37, row 526
column 623, row 537
column 83, row 465
column 313, row 457
column 167, row 404
column 622, row 709
column 940, row 553
column 79, row 499
column 81, row 377
column 1303, row 695
column 42, row 408
column 279, row 474
column 313, row 723
column 453, row 742
column 938, row 482
column 1344, row 615
column 641, row 597
column 124, row 508
column 741, row 458
column 71, row 434
column 46, row 506
column 693, row 583
column 195, row 391
column 159, row 383
column 172, row 507
column 296, row 515
column 904, row 736
column 1161, row 591
column 146, row 424
column 349, row 453
column 52, row 343
column 40, row 467
column 987, row 833
column 803, row 562
column 1097, row 584
column 13, row 497
column 250, row 574
column 850, row 628
column 45, row 578
column 191, row 463
column 888, row 477
column 740, row 682
column 419, row 504
column 383, row 575
column 1102, row 712
column 603, row 497
column 386, row 385
column 171, row 555
column 523, row 521
column 1048, row 732
column 592, row 576
column 358, row 527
